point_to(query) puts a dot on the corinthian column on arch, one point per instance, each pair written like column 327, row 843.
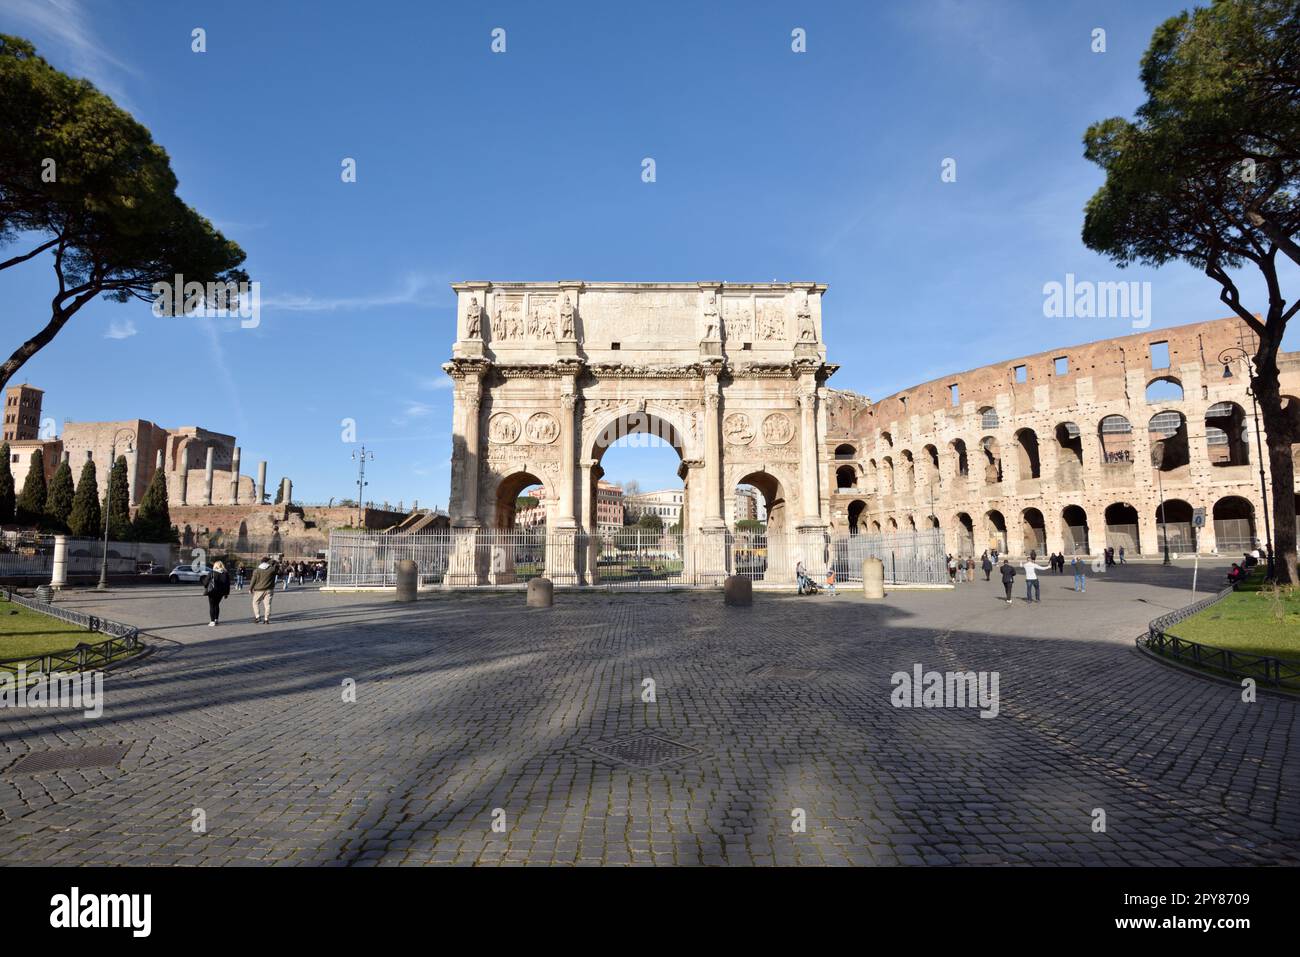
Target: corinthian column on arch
column 469, row 399
column 806, row 393
column 568, row 438
column 712, row 452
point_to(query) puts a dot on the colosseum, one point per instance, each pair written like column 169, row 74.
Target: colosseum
column 1114, row 443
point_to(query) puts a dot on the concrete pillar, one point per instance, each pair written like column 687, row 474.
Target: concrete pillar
column 873, row 578
column 569, row 403
column 286, row 491
column 60, row 577
column 207, row 477
column 407, row 580
column 261, row 482
column 541, row 593
column 185, row 481
column 158, row 460
column 234, row 477
column 132, row 459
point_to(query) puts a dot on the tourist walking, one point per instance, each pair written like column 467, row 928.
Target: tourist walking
column 1008, row 577
column 987, row 565
column 1032, row 568
column 287, row 569
column 952, row 570
column 216, row 588
column 970, row 569
column 830, row 581
column 262, row 586
column 239, row 576
column 1080, row 579
column 1121, row 554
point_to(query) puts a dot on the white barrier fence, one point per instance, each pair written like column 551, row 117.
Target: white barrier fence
column 35, row 558
column 631, row 558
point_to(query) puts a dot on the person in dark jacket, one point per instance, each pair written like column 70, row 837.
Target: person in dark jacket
column 216, row 588
column 262, row 585
column 987, row 566
column 1008, row 577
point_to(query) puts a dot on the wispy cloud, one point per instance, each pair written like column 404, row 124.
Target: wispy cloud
column 62, row 29
column 435, row 383
column 416, row 291
column 123, row 329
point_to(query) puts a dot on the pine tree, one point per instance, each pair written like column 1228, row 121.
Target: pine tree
column 7, row 497
column 119, row 507
column 58, row 503
column 31, row 504
column 84, row 522
column 153, row 521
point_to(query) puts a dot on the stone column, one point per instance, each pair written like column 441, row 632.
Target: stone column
column 60, row 577
column 712, row 453
column 807, row 396
column 286, row 491
column 588, row 474
column 569, row 442
column 261, row 482
column 184, row 480
column 132, row 462
column 234, row 477
column 207, row 477
column 471, row 400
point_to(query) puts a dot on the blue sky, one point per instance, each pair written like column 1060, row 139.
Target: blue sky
column 526, row 165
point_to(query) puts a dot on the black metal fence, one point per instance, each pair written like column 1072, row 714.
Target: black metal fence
column 1277, row 672
column 122, row 640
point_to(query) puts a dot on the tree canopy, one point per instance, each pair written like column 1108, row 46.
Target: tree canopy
column 86, row 518
column 81, row 180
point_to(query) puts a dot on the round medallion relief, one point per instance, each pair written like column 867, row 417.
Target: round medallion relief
column 737, row 429
column 542, row 429
column 777, row 429
column 503, row 428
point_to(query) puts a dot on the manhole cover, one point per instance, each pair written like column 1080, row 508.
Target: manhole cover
column 70, row 758
column 788, row 672
column 643, row 750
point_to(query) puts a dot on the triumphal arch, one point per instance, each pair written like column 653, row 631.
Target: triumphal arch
column 548, row 375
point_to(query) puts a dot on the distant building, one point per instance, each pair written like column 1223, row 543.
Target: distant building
column 746, row 505
column 22, row 412
column 666, row 503
column 609, row 506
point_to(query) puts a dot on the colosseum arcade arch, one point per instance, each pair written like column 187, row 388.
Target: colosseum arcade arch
column 733, row 375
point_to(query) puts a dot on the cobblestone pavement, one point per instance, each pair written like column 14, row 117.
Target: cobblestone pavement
column 466, row 704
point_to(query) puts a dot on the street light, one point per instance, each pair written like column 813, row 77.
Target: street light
column 108, row 502
column 360, row 458
column 1226, row 357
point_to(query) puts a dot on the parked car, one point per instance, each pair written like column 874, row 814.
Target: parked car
column 189, row 573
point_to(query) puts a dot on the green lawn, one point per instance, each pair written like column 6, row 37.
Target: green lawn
column 1254, row 620
column 27, row 632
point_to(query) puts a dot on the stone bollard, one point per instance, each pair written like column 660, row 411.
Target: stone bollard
column 541, row 593
column 873, row 578
column 60, row 577
column 407, row 580
column 738, row 591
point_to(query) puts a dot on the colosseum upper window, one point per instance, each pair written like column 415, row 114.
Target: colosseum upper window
column 988, row 418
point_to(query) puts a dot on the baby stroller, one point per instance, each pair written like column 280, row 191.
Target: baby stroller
column 806, row 585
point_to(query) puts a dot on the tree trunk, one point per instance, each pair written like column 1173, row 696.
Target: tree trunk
column 1278, row 435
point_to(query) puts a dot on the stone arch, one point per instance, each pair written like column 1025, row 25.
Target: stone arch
column 856, row 508
column 908, row 465
column 960, row 462
column 1174, row 526
column 992, row 460
column 930, row 458
column 995, row 528
column 1122, row 525
column 1164, row 388
column 963, row 534
column 1167, row 433
column 846, row 477
column 988, row 418
column 1074, row 530
column 774, row 489
column 506, row 490
column 1234, row 524
column 1225, row 434
column 1027, row 454
column 1034, row 531
column 1116, row 435
column 891, row 524
column 887, row 473
column 845, row 451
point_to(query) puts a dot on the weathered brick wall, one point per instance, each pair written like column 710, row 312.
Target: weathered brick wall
column 889, row 452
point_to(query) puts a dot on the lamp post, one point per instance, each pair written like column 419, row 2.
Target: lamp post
column 108, row 502
column 1226, row 357
column 360, row 458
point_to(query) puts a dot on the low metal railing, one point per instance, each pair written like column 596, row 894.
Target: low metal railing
column 122, row 639
column 1277, row 672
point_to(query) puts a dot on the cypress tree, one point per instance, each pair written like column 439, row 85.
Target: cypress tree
column 153, row 522
column 84, row 522
column 7, row 497
column 31, row 504
column 58, row 503
column 119, row 507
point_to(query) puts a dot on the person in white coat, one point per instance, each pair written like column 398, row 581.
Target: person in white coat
column 1032, row 568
